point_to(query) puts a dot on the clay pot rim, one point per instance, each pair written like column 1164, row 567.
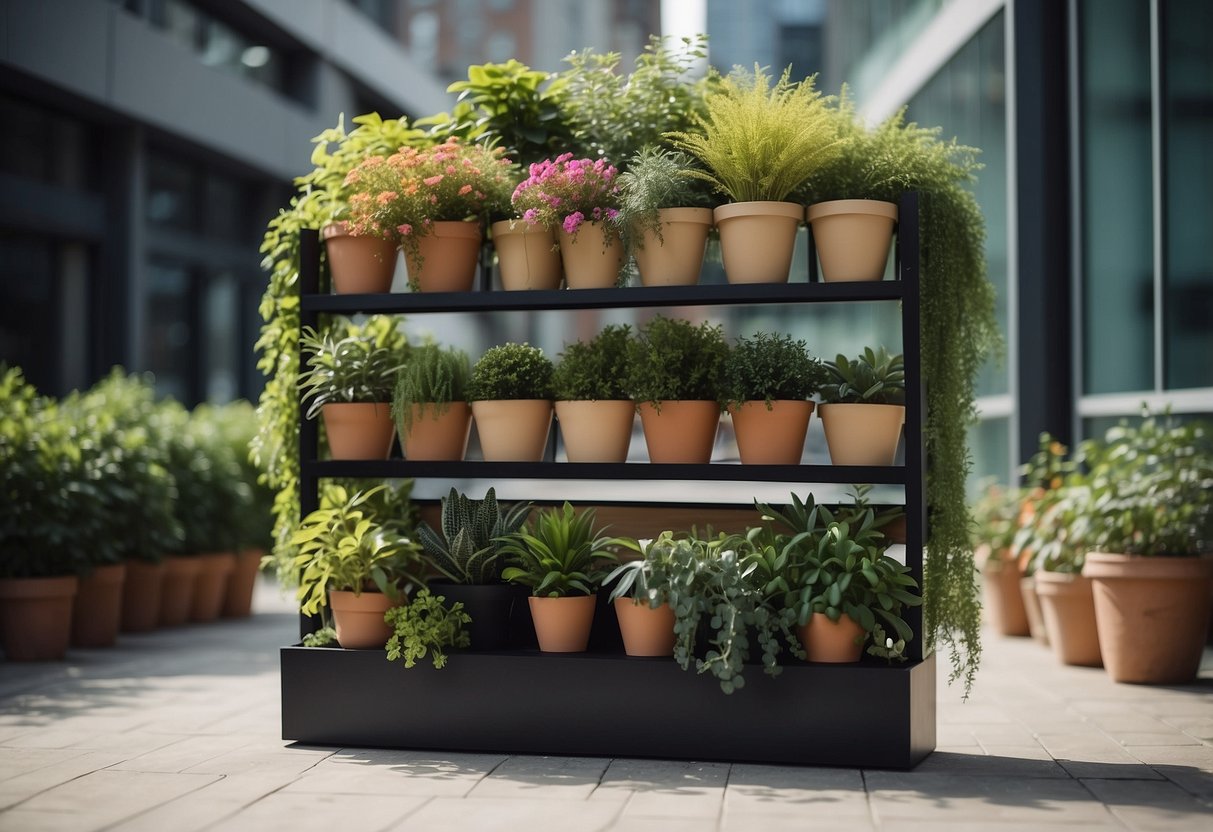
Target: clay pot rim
column 469, row 229
column 761, row 403
column 1111, row 565
column 571, row 597
column 678, row 401
column 107, row 573
column 868, row 207
column 530, row 401
column 1053, row 584
column 694, row 216
column 57, row 586
column 594, row 401
column 769, row 208
column 519, row 226
column 347, row 599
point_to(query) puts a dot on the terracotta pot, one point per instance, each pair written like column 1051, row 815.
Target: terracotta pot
column 141, row 596
column 514, row 430
column 681, row 431
column 562, row 625
column 1151, row 613
column 358, row 619
column 646, row 631
column 862, row 434
column 1031, row 605
column 774, row 436
column 853, row 237
column 832, row 641
column 676, row 257
column 358, row 430
column 527, row 256
column 1068, row 605
column 36, row 617
column 211, row 583
column 593, row 259
column 1001, row 597
column 97, row 609
column 438, row 434
column 177, row 591
column 596, row 431
column 757, row 240
column 489, row 607
column 241, row 581
column 359, row 264
column 448, row 256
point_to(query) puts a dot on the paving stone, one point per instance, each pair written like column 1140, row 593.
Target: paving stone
column 294, row 812
column 962, row 764
column 1169, row 738
column 661, row 789
column 217, row 802
column 23, row 787
column 663, row 824
column 26, row 820
column 396, row 772
column 1094, row 755
column 756, row 791
column 534, row 776
column 475, row 815
column 1152, row 805
column 980, row 800
column 184, row 752
column 18, row 761
column 103, row 798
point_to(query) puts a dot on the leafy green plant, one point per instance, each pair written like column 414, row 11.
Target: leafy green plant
column 425, row 626
column 557, row 556
column 511, row 371
column 390, row 506
column 656, row 178
column 321, row 638
column 760, row 142
column 996, row 518
column 359, row 365
column 432, row 375
column 645, row 579
column 670, row 360
column 770, row 367
column 469, row 550
column 236, row 424
column 874, row 377
column 595, row 370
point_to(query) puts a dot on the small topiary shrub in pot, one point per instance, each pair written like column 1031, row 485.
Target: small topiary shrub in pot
column 593, row 407
column 511, row 394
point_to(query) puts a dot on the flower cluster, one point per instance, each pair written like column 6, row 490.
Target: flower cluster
column 566, row 192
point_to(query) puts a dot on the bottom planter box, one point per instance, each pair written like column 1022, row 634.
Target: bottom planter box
column 607, row 704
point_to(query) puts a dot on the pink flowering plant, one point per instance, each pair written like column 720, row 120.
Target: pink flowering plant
column 566, row 193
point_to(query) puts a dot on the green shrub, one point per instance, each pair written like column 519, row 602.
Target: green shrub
column 511, row 371
column 770, row 367
column 431, row 375
column 670, row 359
column 425, row 626
column 656, row 179
column 595, row 370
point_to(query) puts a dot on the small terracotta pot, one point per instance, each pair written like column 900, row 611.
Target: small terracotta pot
column 211, row 583
column 853, row 237
column 646, row 631
column 596, row 431
column 562, row 625
column 1031, row 605
column 358, row 430
column 836, row 642
column 358, row 619
column 1151, row 614
column 593, row 259
column 757, row 240
column 438, row 434
column 1002, row 599
column 177, row 591
column 676, row 257
column 97, row 609
column 141, row 596
column 359, row 264
column 1067, row 603
column 449, row 254
column 238, row 598
column 771, row 437
column 862, row 434
column 36, row 617
column 513, row 430
column 681, row 431
column 527, row 256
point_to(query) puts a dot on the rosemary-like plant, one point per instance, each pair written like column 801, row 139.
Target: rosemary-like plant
column 432, row 375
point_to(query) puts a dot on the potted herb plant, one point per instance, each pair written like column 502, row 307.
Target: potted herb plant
column 674, row 374
column 430, row 405
column 426, row 626
column 592, row 403
column 863, row 407
column 511, row 394
column 579, row 198
column 797, row 136
column 665, row 216
column 558, row 557
column 640, row 593
column 996, row 517
column 768, row 380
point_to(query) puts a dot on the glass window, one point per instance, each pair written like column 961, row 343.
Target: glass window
column 28, row 317
column 172, row 190
column 169, row 345
column 222, row 339
column 46, row 146
column 990, row 440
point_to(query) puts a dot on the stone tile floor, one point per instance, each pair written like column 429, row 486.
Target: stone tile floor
column 179, row 730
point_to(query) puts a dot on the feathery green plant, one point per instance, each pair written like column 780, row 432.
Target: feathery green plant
column 656, row 178
column 431, row 375
column 670, row 359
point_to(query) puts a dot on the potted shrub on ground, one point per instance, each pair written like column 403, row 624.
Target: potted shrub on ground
column 558, row 558
column 768, row 380
column 674, row 374
column 996, row 523
column 863, row 407
column 640, row 593
column 592, row 403
column 430, row 405
column 511, row 394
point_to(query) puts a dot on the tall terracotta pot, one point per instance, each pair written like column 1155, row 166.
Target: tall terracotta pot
column 36, row 617
column 97, row 609
column 862, row 434
column 241, row 583
column 562, row 625
column 772, row 436
column 853, row 237
column 177, row 591
column 513, row 430
column 757, row 240
column 358, row 430
column 674, row 258
column 1151, row 614
column 593, row 259
column 527, row 256
column 835, row 642
column 1067, row 603
column 359, row 264
column 1037, row 627
column 446, row 257
column 437, row 433
column 1001, row 597
column 596, row 431
column 141, row 596
column 680, row 431
column 210, row 585
column 646, row 631
column 358, row 619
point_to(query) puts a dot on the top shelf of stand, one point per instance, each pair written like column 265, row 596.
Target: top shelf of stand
column 635, row 296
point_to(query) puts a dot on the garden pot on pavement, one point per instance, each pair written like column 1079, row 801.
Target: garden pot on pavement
column 1068, row 605
column 36, row 617
column 97, row 609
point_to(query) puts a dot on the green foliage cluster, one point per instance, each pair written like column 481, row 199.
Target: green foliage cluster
column 473, row 534
column 511, row 371
column 874, row 377
column 354, row 364
column 431, row 375
column 390, row 507
column 769, row 367
column 670, row 359
column 558, row 555
column 425, row 626
column 595, row 370
column 235, row 425
column 656, row 178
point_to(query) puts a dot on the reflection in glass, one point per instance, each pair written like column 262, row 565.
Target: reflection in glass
column 167, row 351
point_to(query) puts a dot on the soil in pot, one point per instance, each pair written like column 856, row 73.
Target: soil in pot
column 358, row 619
column 448, row 254
column 359, row 264
column 358, row 430
column 141, row 596
column 177, row 591
column 438, row 434
column 1067, row 603
column 527, row 256
column 36, row 617
column 772, row 436
column 1031, row 605
column 1001, row 597
column 646, row 631
column 853, row 237
column 593, row 259
column 680, row 431
column 676, row 257
column 596, row 431
column 562, row 625
column 514, row 430
column 211, row 583
column 97, row 609
column 757, row 240
column 862, row 434
column 488, row 605
column 835, row 642
column 238, row 597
